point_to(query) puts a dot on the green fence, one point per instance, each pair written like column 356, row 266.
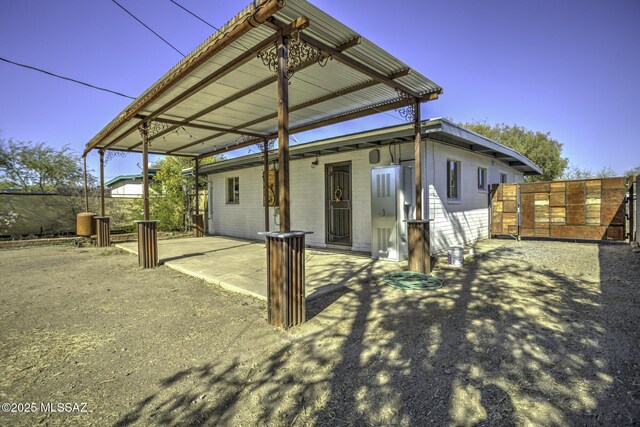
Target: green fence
column 45, row 214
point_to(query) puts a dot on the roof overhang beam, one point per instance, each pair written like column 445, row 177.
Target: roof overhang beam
column 362, row 112
column 259, row 15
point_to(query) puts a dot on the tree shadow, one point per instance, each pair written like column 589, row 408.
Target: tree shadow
column 506, row 341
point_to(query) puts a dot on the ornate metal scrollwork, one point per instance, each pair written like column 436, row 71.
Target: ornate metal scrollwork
column 299, row 53
column 269, row 58
column 156, row 128
column 153, row 130
column 270, row 144
column 110, row 155
column 407, row 112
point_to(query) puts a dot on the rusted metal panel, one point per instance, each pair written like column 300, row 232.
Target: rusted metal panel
column 504, row 208
column 615, row 232
column 587, row 209
column 538, row 187
column 578, row 232
column 527, row 206
column 510, row 192
column 613, row 183
column 558, row 215
column 558, row 199
column 557, row 186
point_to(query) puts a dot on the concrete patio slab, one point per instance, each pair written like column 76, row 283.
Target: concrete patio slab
column 240, row 265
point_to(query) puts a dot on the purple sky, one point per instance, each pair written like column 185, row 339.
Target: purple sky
column 568, row 67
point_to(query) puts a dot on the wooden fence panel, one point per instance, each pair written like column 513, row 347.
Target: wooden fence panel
column 505, row 209
column 587, row 209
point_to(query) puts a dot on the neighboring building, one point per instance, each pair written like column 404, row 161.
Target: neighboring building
column 128, row 185
column 354, row 191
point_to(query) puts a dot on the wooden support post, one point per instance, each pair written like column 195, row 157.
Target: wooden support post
column 147, row 229
column 144, row 132
column 417, row 146
column 285, row 250
column 631, row 203
column 419, row 246
column 198, row 218
column 103, row 233
column 147, row 243
column 265, row 186
column 418, row 232
column 286, row 305
column 84, row 178
column 283, row 134
column 102, row 205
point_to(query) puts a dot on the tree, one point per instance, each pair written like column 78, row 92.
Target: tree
column 576, row 172
column 633, row 172
column 168, row 202
column 538, row 147
column 34, row 167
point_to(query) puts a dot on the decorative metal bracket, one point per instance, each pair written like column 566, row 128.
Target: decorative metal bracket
column 408, row 112
column 270, row 144
column 154, row 128
column 110, row 155
column 299, row 53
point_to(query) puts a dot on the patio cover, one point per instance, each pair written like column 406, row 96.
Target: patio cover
column 223, row 95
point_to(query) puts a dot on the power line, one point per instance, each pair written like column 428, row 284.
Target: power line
column 66, row 78
column 148, row 28
column 193, row 14
column 206, row 22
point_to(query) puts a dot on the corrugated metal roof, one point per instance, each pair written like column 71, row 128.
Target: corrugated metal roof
column 438, row 129
column 245, row 99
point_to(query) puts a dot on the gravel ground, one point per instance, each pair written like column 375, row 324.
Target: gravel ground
column 526, row 333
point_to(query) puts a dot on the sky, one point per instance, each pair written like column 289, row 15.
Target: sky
column 570, row 67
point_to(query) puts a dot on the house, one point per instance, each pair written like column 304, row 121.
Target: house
column 128, row 185
column 354, row 191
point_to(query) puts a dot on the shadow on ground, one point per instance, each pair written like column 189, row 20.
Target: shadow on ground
column 524, row 334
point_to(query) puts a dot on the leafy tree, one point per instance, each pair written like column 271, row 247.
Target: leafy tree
column 34, row 167
column 538, row 147
column 168, row 202
column 576, row 172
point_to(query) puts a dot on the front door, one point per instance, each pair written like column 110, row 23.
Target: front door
column 338, row 203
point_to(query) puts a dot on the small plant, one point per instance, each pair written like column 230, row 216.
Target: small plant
column 7, row 219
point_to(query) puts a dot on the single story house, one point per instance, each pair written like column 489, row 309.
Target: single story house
column 128, row 185
column 354, row 191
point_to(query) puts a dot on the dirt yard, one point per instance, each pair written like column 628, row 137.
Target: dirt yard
column 528, row 333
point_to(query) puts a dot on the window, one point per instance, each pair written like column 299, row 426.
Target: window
column 482, row 179
column 503, row 178
column 453, row 179
column 233, row 190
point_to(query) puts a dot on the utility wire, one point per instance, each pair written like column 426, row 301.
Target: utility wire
column 148, row 28
column 202, row 20
column 66, row 78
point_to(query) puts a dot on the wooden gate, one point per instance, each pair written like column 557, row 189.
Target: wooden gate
column 591, row 209
column 504, row 209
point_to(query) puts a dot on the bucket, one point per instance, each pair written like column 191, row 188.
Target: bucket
column 456, row 256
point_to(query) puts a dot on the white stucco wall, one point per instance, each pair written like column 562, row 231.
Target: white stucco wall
column 128, row 188
column 463, row 221
column 453, row 222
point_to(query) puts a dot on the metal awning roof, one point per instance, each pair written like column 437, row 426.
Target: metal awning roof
column 438, row 129
column 223, row 95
